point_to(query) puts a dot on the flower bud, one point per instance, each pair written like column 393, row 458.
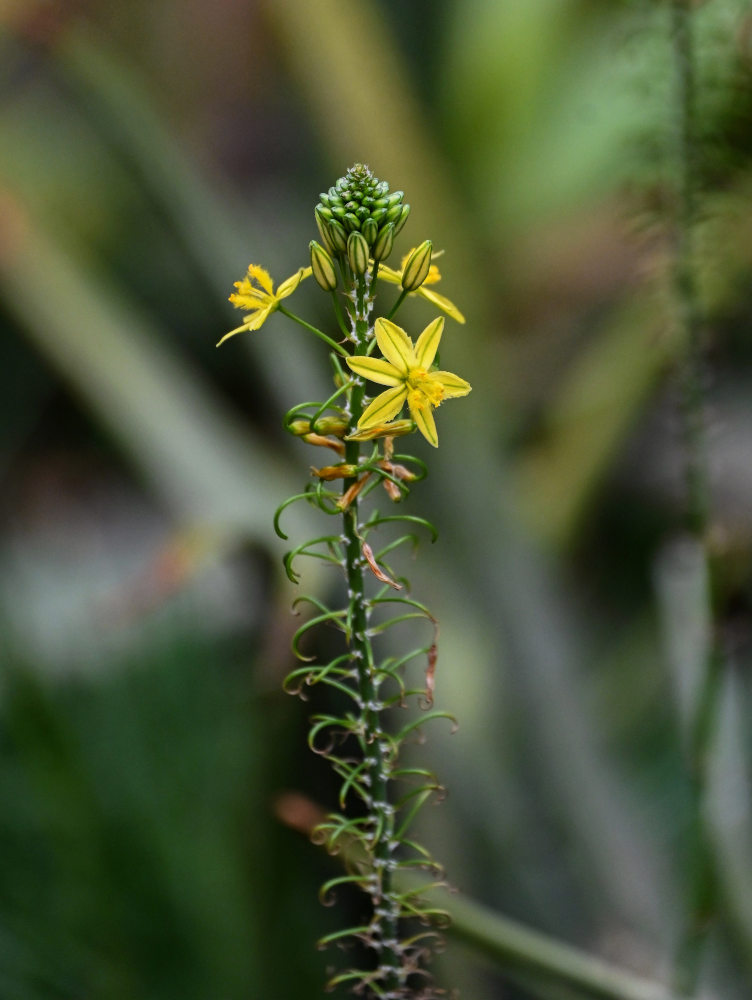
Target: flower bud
column 395, row 428
column 351, row 222
column 331, row 425
column 402, row 219
column 370, row 229
column 299, row 427
column 342, row 471
column 322, row 266
column 322, row 223
column 417, row 267
column 384, row 242
column 357, row 253
column 338, row 236
column 393, row 213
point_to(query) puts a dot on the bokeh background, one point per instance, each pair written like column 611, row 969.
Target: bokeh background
column 148, row 152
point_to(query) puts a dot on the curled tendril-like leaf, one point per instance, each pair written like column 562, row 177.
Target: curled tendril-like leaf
column 422, row 720
column 340, row 729
column 318, row 499
column 377, row 519
column 331, row 617
column 402, row 540
column 325, row 892
column 317, row 675
column 420, row 797
column 328, row 939
column 383, row 626
column 333, row 556
column 351, row 781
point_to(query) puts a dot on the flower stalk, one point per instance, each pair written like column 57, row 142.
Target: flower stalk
column 380, row 797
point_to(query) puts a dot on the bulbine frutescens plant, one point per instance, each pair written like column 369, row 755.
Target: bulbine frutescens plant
column 358, row 220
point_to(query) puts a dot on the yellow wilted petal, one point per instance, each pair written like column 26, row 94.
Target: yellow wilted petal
column 395, row 345
column 383, row 408
column 428, row 343
column 375, row 369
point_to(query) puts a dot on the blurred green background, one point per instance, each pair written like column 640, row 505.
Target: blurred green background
column 148, row 152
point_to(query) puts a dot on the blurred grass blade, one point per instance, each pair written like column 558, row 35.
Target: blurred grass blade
column 215, row 231
column 123, row 368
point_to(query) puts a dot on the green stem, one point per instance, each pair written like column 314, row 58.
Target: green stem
column 403, row 295
column 339, row 314
column 700, row 901
column 375, row 746
column 319, row 333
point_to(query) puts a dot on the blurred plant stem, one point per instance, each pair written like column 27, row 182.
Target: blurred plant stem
column 700, row 892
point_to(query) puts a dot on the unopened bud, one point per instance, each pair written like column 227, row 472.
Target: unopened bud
column 384, row 242
column 342, row 471
column 322, row 222
column 299, row 427
column 393, row 213
column 395, row 428
column 370, row 229
column 350, row 221
column 331, row 425
column 417, row 267
column 357, row 253
column 322, row 267
column 338, row 236
column 402, row 219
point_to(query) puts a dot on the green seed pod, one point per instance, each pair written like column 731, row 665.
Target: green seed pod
column 378, row 214
column 338, row 210
column 417, row 267
column 394, row 198
column 384, row 242
column 402, row 219
column 338, row 235
column 357, row 253
column 322, row 266
column 370, row 230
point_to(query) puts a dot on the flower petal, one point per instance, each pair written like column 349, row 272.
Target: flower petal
column 423, row 417
column 389, row 274
column 257, row 319
column 441, row 302
column 375, row 369
column 452, row 384
column 395, row 345
column 248, row 300
column 428, row 343
column 383, row 408
column 289, row 285
column 239, row 329
column 262, row 276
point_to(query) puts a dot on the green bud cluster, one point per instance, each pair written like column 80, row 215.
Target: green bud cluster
column 360, row 203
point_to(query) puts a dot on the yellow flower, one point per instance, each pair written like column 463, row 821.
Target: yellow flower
column 405, row 368
column 255, row 293
column 440, row 301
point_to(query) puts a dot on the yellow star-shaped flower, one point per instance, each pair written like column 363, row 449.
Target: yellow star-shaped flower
column 255, row 293
column 440, row 301
column 405, row 368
